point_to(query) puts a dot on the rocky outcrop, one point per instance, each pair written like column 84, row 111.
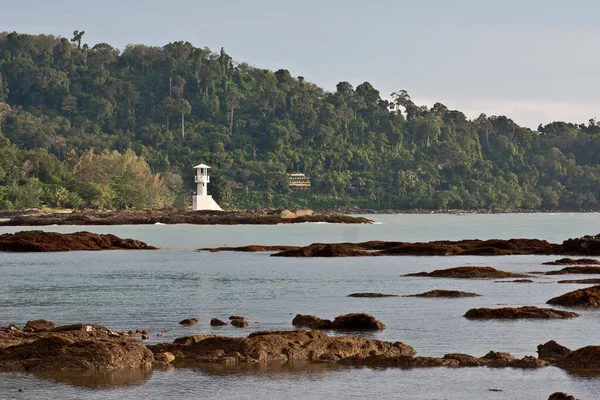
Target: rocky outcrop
column 575, row 270
column 280, row 347
column 324, row 250
column 369, row 294
column 39, row 241
column 587, row 297
column 561, row 396
column 188, row 321
column 552, row 351
column 527, row 312
column 571, row 261
column 591, row 281
column 217, row 322
column 452, row 294
column 310, row 321
column 151, row 217
column 516, row 281
column 470, row 272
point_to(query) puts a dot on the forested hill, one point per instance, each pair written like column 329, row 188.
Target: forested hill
column 100, row 127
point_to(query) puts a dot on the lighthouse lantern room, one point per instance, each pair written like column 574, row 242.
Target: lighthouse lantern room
column 202, row 201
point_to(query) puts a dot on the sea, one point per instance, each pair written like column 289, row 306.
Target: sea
column 154, row 290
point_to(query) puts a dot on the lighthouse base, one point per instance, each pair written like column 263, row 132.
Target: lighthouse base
column 205, row 203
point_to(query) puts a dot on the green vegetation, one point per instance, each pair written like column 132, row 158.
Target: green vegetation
column 97, row 127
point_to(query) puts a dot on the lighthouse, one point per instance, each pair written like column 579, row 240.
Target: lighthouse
column 202, row 201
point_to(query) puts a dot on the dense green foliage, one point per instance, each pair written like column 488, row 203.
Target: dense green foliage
column 98, row 127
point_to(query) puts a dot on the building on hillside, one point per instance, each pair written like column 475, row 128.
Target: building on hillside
column 299, row 181
column 202, row 201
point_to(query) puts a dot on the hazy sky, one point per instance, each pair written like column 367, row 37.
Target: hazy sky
column 535, row 61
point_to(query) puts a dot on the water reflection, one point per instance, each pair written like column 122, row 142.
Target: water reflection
column 267, row 368
column 99, row 380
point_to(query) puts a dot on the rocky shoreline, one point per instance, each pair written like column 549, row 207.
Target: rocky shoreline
column 177, row 216
column 39, row 241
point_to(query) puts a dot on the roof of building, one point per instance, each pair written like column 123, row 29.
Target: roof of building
column 201, row 166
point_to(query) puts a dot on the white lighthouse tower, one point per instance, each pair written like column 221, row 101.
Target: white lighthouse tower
column 202, row 201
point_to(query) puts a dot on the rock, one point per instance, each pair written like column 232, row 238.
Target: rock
column 251, row 248
column 583, row 359
column 39, row 241
column 239, row 323
column 40, row 325
column 174, row 216
column 58, row 353
column 474, row 272
column 356, row 321
column 576, row 270
column 145, row 337
column 189, row 321
column 444, row 294
column 591, row 281
column 287, row 214
column 527, row 312
column 561, row 396
column 232, row 317
column 324, row 250
column 587, row 297
column 371, row 295
column 570, row 261
column 187, row 340
column 281, row 347
column 311, row 322
column 304, row 213
column 163, row 360
column 217, row 322
column 552, row 351
column 516, row 281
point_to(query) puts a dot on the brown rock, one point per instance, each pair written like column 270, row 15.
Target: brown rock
column 357, row 321
column 469, row 273
column 40, row 325
column 552, row 351
column 189, row 321
column 591, row 281
column 239, row 323
column 311, row 322
column 217, row 322
column 576, row 270
column 163, row 360
column 39, row 241
column 570, row 261
column 585, row 358
column 281, row 347
column 58, row 353
column 561, row 396
column 516, row 281
column 145, row 337
column 587, row 297
column 232, row 317
column 527, row 312
column 444, row 294
column 368, row 294
column 251, row 248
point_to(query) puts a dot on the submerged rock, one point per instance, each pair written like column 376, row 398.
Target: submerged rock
column 586, row 297
column 280, row 347
column 444, row 294
column 469, row 272
column 217, row 322
column 517, row 281
column 571, row 261
column 239, row 322
column 188, row 321
column 39, row 241
column 251, row 248
column 368, row 294
column 527, row 312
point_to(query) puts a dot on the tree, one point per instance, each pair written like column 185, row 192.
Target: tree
column 77, row 36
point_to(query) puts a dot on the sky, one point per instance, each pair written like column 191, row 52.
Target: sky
column 535, row 61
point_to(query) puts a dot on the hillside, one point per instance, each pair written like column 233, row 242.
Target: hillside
column 103, row 128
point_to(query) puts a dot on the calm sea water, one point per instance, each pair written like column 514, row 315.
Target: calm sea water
column 155, row 289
